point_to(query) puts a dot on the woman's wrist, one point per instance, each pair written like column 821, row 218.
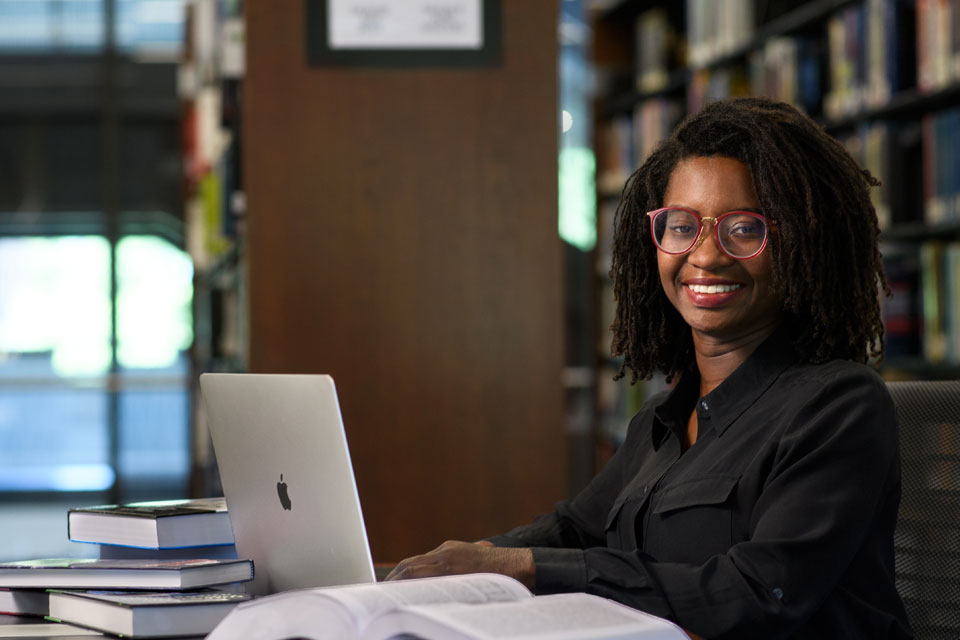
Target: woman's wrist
column 522, row 567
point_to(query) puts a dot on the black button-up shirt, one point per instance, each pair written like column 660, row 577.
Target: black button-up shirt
column 777, row 523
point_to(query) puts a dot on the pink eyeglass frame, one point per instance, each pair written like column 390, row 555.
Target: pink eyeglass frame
column 769, row 224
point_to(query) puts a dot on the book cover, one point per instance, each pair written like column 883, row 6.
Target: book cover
column 158, row 508
column 74, row 573
column 213, row 552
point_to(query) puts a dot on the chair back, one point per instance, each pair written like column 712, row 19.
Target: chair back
column 927, row 540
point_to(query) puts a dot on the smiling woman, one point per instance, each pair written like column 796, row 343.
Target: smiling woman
column 758, row 498
column 722, row 298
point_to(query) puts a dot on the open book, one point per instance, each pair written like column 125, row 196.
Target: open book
column 468, row 607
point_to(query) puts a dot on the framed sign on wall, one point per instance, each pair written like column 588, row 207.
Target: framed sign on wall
column 403, row 33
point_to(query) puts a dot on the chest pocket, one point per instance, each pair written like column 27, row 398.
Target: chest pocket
column 691, row 521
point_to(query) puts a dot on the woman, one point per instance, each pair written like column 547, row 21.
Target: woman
column 758, row 498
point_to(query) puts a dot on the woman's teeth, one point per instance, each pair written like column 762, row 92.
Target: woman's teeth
column 713, row 288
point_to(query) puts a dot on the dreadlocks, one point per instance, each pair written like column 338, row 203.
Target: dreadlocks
column 825, row 254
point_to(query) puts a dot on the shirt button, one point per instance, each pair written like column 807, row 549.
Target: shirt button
column 646, row 490
column 703, row 405
column 779, row 593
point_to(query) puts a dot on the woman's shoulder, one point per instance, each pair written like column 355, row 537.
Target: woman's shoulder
column 835, row 374
column 837, row 396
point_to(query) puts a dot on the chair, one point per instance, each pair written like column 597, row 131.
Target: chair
column 927, row 540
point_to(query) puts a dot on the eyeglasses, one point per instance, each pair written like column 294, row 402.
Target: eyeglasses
column 740, row 234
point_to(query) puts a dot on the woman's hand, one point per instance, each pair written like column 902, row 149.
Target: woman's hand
column 453, row 557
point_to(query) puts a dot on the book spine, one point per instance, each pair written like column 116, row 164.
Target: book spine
column 944, row 61
column 877, row 92
column 929, row 168
column 953, row 299
column 924, row 82
column 956, row 39
column 900, row 313
column 931, row 259
column 950, row 171
column 955, row 145
column 836, row 62
column 891, row 47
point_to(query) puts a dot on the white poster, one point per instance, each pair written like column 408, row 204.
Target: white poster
column 405, row 24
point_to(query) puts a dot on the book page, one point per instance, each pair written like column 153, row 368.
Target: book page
column 292, row 614
column 365, row 601
column 339, row 613
column 569, row 616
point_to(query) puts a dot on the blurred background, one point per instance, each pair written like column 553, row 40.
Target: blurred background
column 96, row 285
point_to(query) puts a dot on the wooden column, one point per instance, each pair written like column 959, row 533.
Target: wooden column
column 403, row 238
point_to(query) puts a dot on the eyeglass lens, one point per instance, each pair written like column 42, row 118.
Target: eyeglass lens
column 741, row 235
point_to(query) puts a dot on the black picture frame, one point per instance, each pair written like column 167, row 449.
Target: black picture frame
column 320, row 54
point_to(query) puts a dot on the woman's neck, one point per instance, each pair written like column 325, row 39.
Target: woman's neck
column 717, row 358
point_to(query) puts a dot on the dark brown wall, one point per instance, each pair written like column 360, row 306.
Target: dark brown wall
column 403, row 238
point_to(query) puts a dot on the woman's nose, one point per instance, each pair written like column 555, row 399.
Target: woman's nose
column 707, row 250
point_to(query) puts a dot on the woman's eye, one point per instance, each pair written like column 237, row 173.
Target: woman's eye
column 746, row 229
column 682, row 229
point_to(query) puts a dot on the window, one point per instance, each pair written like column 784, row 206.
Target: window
column 56, row 364
column 147, row 27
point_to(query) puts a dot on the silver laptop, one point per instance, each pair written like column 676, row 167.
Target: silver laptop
column 288, row 480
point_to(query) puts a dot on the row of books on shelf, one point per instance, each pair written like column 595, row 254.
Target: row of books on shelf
column 717, row 27
column 941, row 167
column 165, row 569
column 626, row 140
column 917, row 165
column 892, row 153
column 938, row 43
column 916, row 162
column 874, row 50
column 870, row 47
column 940, row 287
column 658, row 49
column 922, row 318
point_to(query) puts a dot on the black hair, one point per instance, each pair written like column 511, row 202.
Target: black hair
column 825, row 254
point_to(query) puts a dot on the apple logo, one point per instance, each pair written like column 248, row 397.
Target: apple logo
column 282, row 492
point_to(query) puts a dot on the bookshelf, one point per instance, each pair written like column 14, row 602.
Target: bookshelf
column 210, row 83
column 882, row 76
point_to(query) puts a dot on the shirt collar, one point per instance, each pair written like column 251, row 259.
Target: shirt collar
column 670, row 415
column 736, row 394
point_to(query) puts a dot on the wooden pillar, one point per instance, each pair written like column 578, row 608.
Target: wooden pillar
column 403, row 238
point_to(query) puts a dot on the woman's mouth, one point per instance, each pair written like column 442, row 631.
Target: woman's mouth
column 712, row 295
column 713, row 288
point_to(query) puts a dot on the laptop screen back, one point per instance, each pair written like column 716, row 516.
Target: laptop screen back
column 287, row 479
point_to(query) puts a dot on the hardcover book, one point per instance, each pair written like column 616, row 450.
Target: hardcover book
column 144, row 615
column 465, row 607
column 165, row 524
column 73, row 573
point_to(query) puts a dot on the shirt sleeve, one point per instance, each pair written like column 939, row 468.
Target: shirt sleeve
column 836, row 464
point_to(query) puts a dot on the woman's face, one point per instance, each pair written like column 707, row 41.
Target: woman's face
column 721, row 298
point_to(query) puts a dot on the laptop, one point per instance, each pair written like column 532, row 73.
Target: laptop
column 287, row 479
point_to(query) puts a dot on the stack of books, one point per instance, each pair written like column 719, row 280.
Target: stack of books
column 165, row 569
